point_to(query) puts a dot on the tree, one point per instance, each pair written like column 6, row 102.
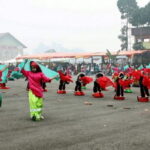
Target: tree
column 126, row 7
column 136, row 17
column 140, row 16
column 133, row 13
column 147, row 13
column 138, row 46
column 123, row 38
column 112, row 58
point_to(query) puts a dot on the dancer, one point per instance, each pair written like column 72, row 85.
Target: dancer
column 97, row 87
column 35, row 76
column 128, row 81
column 4, row 67
column 119, row 87
column 3, row 74
column 136, row 75
column 81, row 79
column 64, row 79
column 144, row 83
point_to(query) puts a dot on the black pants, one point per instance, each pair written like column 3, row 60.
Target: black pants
column 96, row 87
column 119, row 90
column 44, row 85
column 78, row 86
column 144, row 90
column 27, row 88
column 62, row 85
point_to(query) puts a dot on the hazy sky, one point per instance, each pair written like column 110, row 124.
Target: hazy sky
column 92, row 25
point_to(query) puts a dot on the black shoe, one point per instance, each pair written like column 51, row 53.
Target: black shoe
column 33, row 118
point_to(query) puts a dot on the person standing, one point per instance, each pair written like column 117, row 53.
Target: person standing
column 1, row 72
column 64, row 79
column 97, row 87
column 119, row 87
column 35, row 77
column 3, row 77
column 82, row 79
column 144, row 83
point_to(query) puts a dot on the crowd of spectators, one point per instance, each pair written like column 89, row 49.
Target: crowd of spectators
column 87, row 68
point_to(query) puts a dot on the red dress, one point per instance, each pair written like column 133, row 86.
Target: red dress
column 104, row 82
column 35, row 82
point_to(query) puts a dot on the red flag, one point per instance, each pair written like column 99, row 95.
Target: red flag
column 86, row 79
column 146, row 81
column 105, row 82
column 64, row 77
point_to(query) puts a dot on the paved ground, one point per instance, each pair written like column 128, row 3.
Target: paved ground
column 70, row 124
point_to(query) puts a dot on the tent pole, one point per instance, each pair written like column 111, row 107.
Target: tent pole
column 49, row 63
column 92, row 60
column 75, row 60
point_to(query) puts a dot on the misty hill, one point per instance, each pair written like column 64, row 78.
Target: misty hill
column 54, row 47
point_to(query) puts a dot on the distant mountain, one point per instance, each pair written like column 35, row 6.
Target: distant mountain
column 50, row 51
column 41, row 48
column 54, row 47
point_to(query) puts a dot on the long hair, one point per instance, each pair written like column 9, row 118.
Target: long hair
column 100, row 74
column 81, row 74
column 38, row 69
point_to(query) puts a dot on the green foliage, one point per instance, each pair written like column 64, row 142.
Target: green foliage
column 147, row 13
column 136, row 16
column 140, row 17
column 123, row 38
column 126, row 7
column 124, row 46
column 138, row 46
column 124, row 29
column 112, row 58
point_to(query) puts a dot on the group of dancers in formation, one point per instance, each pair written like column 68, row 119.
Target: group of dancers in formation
column 37, row 79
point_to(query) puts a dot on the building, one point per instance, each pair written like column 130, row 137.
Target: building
column 10, row 47
column 142, row 34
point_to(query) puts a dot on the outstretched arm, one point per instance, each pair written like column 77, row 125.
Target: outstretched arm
column 45, row 79
column 24, row 72
column 55, row 77
column 24, row 64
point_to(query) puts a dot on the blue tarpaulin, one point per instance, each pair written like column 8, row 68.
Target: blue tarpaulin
column 48, row 72
column 4, row 74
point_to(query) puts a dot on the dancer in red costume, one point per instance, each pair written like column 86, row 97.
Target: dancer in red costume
column 35, row 77
column 136, row 75
column 144, row 82
column 119, row 87
column 127, row 83
column 81, row 79
column 100, row 83
column 64, row 79
column 97, row 87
